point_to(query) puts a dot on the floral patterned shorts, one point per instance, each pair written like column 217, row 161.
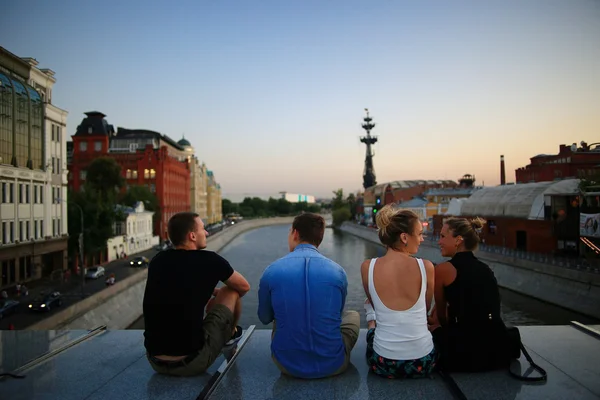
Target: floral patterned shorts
column 387, row 368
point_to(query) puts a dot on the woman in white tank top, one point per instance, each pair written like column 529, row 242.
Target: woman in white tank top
column 399, row 292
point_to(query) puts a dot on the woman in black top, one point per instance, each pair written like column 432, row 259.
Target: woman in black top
column 468, row 331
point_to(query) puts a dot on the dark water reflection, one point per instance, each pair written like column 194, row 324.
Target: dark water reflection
column 251, row 252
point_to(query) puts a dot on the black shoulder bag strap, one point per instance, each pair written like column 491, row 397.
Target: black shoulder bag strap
column 532, row 367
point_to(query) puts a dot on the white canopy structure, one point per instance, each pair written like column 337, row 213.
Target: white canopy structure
column 524, row 200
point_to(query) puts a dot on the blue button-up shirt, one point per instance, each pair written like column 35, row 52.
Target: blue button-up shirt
column 305, row 292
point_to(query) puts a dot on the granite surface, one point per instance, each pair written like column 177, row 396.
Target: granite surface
column 112, row 365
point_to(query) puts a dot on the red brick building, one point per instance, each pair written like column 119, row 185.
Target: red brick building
column 146, row 158
column 570, row 162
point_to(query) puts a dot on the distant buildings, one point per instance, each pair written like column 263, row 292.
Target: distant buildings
column 33, row 209
column 132, row 235
column 297, row 198
column 570, row 162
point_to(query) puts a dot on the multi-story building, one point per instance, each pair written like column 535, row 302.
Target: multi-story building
column 297, row 198
column 215, row 213
column 570, row 162
column 132, row 235
column 146, row 158
column 198, row 181
column 438, row 199
column 33, row 211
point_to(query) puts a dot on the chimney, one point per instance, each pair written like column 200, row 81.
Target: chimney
column 502, row 172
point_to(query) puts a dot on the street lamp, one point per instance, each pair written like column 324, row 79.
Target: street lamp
column 81, row 270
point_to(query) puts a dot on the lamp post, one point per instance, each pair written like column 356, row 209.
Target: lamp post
column 81, row 270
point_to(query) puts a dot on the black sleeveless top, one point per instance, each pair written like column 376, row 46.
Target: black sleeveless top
column 473, row 298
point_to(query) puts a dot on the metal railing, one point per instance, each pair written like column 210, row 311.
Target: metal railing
column 575, row 263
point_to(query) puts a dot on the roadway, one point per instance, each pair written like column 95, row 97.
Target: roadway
column 71, row 292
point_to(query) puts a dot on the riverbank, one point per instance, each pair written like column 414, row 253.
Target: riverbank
column 574, row 290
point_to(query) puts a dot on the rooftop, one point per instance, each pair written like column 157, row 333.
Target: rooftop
column 102, row 364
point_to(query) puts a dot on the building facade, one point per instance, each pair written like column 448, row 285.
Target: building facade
column 214, row 200
column 146, row 158
column 570, row 162
column 33, row 211
column 198, row 181
column 297, row 198
column 132, row 235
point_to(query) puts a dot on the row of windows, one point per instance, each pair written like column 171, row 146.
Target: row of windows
column 133, row 174
column 83, row 146
column 23, row 193
column 21, row 119
column 56, row 133
column 9, row 270
column 24, row 230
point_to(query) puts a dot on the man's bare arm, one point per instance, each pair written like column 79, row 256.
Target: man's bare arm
column 238, row 283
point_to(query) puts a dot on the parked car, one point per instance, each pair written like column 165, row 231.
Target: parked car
column 95, row 272
column 8, row 306
column 45, row 302
column 139, row 262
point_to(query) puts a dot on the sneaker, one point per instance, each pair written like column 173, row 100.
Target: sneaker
column 370, row 312
column 237, row 335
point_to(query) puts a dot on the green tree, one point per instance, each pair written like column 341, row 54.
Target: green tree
column 338, row 200
column 340, row 215
column 104, row 176
column 351, row 200
column 229, row 207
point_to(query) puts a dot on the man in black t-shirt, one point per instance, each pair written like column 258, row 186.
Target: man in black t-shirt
column 181, row 284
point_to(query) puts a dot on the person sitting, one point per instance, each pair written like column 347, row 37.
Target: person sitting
column 181, row 281
column 399, row 291
column 467, row 327
column 304, row 294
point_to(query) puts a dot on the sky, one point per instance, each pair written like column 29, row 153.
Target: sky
column 272, row 93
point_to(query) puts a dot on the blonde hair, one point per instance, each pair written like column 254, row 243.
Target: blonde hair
column 469, row 230
column 391, row 223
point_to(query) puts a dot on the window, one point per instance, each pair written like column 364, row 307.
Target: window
column 27, row 194
column 41, row 194
column 4, row 192
column 4, row 234
column 58, row 165
column 12, row 231
column 58, row 226
column 90, row 130
column 11, row 192
column 128, row 174
column 146, row 174
column 97, row 146
column 152, row 174
column 41, row 228
column 21, row 193
column 27, row 231
column 83, row 145
column 35, row 230
column 134, row 174
column 53, row 129
column 35, row 194
column 53, row 227
column 82, row 175
column 58, row 129
column 21, row 231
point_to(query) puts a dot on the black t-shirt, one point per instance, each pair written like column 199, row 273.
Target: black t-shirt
column 180, row 283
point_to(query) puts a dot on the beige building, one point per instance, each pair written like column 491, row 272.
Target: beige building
column 215, row 206
column 198, row 181
column 33, row 174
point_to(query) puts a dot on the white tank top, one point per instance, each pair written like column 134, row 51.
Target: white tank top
column 401, row 335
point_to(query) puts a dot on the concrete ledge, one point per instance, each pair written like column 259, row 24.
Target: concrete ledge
column 120, row 305
column 578, row 291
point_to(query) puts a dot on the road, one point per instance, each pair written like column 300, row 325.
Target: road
column 71, row 291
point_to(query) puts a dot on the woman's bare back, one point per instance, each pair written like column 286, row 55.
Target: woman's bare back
column 397, row 281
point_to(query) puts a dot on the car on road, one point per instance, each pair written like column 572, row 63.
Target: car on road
column 8, row 306
column 45, row 302
column 95, row 272
column 139, row 262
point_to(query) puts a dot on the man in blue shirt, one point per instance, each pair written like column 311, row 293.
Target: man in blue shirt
column 303, row 294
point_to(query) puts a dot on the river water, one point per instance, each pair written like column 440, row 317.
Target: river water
column 251, row 252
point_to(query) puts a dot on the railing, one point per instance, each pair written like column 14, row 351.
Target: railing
column 576, row 263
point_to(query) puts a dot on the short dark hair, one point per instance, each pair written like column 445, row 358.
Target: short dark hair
column 180, row 225
column 310, row 228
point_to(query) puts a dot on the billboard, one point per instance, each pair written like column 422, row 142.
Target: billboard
column 589, row 225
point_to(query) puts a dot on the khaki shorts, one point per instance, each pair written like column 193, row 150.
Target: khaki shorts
column 218, row 326
column 350, row 328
